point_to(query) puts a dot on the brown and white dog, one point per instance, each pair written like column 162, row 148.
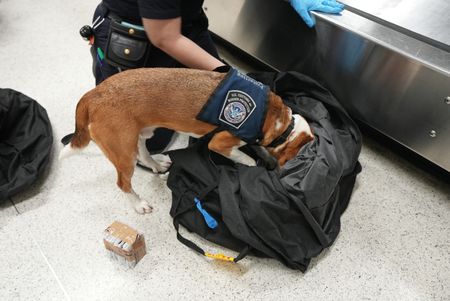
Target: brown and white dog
column 122, row 112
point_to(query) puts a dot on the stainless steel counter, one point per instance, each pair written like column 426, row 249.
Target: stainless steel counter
column 387, row 62
column 423, row 19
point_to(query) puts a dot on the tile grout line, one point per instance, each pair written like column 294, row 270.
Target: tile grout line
column 51, row 269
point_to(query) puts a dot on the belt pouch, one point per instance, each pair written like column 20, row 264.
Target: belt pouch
column 126, row 47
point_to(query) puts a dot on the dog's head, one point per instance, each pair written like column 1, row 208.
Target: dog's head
column 299, row 136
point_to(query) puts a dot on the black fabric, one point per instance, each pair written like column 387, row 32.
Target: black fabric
column 127, row 9
column 165, row 9
column 222, row 69
column 134, row 10
column 291, row 214
column 25, row 142
column 161, row 138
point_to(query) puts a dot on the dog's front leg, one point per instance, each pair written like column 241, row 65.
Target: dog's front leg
column 125, row 169
column 138, row 204
column 228, row 145
column 157, row 163
column 124, row 174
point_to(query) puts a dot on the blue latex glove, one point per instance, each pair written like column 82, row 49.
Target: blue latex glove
column 303, row 8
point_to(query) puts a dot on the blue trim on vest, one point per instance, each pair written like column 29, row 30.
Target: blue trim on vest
column 238, row 105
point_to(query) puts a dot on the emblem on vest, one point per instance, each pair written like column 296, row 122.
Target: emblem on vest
column 237, row 108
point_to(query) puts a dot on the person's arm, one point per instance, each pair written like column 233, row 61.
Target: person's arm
column 166, row 35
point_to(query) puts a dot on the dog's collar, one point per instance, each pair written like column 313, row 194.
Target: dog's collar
column 283, row 137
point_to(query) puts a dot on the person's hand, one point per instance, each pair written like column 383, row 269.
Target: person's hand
column 303, row 8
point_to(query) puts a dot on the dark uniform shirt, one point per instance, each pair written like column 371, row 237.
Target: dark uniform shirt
column 134, row 10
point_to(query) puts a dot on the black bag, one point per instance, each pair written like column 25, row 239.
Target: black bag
column 290, row 215
column 127, row 47
column 25, row 142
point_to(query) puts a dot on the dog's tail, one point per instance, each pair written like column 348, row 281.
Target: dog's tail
column 81, row 137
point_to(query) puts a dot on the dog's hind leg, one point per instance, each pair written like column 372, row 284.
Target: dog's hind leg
column 121, row 149
column 228, row 145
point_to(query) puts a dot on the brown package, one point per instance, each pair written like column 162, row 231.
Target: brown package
column 124, row 243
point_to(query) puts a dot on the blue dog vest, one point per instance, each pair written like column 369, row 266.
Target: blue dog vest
column 238, row 105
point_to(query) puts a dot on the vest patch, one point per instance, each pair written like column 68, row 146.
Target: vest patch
column 239, row 105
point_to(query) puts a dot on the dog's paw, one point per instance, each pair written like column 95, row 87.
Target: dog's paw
column 163, row 162
column 142, row 207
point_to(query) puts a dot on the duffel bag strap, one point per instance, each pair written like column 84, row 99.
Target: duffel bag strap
column 193, row 246
column 244, row 252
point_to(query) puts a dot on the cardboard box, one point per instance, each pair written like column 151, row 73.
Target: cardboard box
column 124, row 243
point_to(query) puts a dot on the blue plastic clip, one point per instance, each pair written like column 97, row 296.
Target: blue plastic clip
column 210, row 221
column 129, row 25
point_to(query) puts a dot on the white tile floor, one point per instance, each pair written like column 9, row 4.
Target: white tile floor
column 394, row 243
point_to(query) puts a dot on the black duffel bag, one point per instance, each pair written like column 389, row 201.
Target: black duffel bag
column 25, row 142
column 290, row 215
